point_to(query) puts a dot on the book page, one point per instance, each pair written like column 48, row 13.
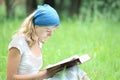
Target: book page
column 82, row 59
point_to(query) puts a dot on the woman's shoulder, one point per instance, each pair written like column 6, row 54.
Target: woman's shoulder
column 19, row 39
column 19, row 42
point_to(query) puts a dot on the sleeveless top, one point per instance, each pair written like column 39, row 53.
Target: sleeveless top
column 29, row 63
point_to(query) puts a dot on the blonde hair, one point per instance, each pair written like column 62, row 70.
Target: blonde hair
column 28, row 29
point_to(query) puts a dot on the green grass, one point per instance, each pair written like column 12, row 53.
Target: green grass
column 99, row 38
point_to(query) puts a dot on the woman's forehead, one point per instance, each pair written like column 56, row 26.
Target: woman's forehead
column 50, row 27
column 42, row 27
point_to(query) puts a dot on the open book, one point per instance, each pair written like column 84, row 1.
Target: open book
column 69, row 62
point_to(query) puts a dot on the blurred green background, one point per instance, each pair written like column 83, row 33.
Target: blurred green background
column 87, row 26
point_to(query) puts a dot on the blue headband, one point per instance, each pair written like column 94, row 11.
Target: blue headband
column 46, row 16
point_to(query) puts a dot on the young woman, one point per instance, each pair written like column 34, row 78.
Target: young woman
column 25, row 49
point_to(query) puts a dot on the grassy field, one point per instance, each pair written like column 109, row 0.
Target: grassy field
column 99, row 38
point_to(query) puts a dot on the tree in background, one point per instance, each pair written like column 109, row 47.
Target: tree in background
column 74, row 7
column 69, row 8
column 10, row 8
column 60, row 5
column 50, row 2
column 31, row 5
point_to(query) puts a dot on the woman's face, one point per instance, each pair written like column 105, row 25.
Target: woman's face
column 44, row 33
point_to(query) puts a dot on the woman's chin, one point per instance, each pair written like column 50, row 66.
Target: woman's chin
column 43, row 41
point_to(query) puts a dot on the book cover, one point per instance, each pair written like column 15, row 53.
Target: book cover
column 69, row 62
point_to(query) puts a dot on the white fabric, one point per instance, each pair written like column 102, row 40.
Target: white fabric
column 29, row 63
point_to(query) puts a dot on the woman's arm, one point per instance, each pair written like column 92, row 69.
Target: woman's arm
column 14, row 58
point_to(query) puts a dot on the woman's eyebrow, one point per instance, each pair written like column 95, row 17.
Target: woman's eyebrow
column 47, row 28
column 50, row 28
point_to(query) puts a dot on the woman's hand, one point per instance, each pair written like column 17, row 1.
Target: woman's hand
column 52, row 71
column 42, row 74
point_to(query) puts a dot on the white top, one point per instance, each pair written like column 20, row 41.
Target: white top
column 29, row 64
